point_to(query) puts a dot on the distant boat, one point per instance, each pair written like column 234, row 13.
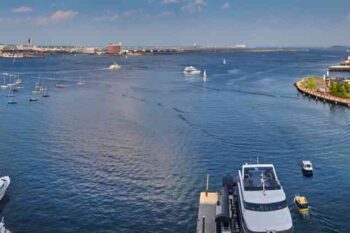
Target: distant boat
column 115, row 66
column 80, row 82
column 4, row 86
column 36, row 89
column 11, row 101
column 205, row 75
column 224, row 61
column 60, row 85
column 191, row 70
column 2, row 227
column 33, row 99
column 45, row 95
column 18, row 81
column 4, row 183
column 10, row 94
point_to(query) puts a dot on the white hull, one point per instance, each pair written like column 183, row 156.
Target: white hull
column 192, row 72
column 4, row 183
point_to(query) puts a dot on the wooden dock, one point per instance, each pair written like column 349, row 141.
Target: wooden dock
column 322, row 96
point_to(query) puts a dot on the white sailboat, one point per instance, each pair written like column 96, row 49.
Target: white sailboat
column 80, row 82
column 36, row 89
column 18, row 81
column 205, row 75
column 4, row 86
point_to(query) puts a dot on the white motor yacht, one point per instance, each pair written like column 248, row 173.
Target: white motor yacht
column 306, row 167
column 262, row 201
column 4, row 183
column 115, row 66
column 191, row 70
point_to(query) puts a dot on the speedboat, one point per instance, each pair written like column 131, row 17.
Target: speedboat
column 302, row 204
column 115, row 66
column 59, row 85
column 2, row 227
column 262, row 200
column 33, row 99
column 306, row 168
column 4, row 183
column 80, row 82
column 191, row 70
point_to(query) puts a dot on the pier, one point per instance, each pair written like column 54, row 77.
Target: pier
column 322, row 96
column 218, row 211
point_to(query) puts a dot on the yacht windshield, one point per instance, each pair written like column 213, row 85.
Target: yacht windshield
column 259, row 178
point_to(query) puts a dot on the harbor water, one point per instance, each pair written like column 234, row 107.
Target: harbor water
column 129, row 150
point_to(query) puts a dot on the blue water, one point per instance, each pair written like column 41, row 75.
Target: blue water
column 129, row 151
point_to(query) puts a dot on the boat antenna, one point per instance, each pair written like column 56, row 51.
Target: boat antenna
column 207, row 186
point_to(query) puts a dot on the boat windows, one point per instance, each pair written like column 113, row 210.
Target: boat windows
column 265, row 207
column 260, row 178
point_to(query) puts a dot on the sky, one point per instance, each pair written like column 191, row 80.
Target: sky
column 256, row 23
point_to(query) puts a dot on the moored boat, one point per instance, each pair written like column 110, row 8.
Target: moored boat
column 262, row 201
column 4, row 184
column 2, row 227
column 306, row 168
column 191, row 70
column 115, row 66
column 302, row 204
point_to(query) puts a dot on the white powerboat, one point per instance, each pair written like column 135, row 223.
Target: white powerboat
column 2, row 227
column 115, row 66
column 306, row 167
column 191, row 70
column 262, row 201
column 4, row 184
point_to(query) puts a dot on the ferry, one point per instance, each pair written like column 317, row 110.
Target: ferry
column 191, row 70
column 262, row 201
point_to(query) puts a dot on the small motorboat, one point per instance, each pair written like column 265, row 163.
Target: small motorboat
column 2, row 227
column 4, row 184
column 302, row 204
column 33, row 99
column 191, row 70
column 80, row 82
column 115, row 66
column 306, row 168
column 59, row 85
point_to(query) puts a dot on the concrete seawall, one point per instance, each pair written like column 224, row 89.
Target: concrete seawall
column 322, row 96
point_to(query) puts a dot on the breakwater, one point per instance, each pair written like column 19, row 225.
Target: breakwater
column 325, row 97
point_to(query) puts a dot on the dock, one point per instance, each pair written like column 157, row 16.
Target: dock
column 324, row 97
column 218, row 211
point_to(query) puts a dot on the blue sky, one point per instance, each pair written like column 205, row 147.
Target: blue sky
column 177, row 22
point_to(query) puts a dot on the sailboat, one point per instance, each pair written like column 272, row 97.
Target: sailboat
column 224, row 61
column 81, row 82
column 205, row 75
column 45, row 95
column 11, row 101
column 36, row 89
column 4, row 86
column 10, row 84
column 18, row 81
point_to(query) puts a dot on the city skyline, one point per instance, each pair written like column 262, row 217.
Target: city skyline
column 177, row 22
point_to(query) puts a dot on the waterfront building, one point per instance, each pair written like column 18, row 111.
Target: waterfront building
column 114, row 49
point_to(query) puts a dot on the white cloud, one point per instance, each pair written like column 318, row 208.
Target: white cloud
column 170, row 1
column 226, row 5
column 194, row 6
column 109, row 16
column 58, row 16
column 132, row 13
column 22, row 9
